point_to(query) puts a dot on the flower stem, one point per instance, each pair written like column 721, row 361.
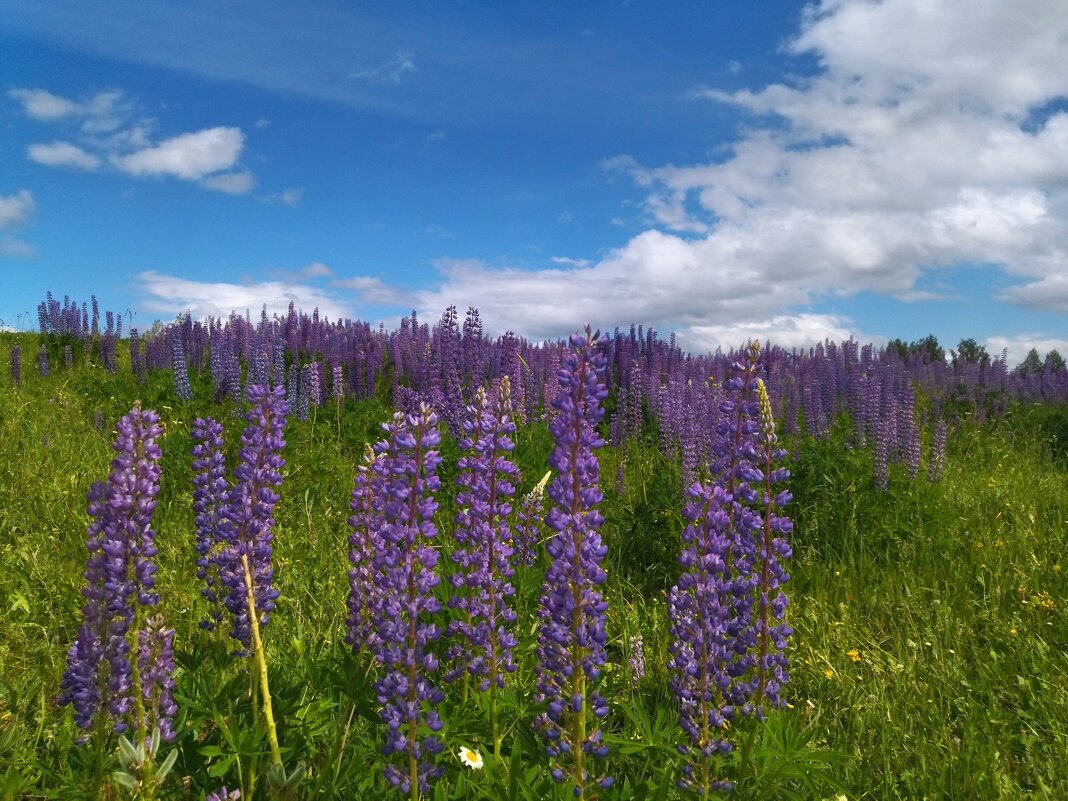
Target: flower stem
column 261, row 663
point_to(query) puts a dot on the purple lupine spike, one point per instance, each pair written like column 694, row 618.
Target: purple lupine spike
column 571, row 636
column 180, row 370
column 222, row 794
column 155, row 664
column 119, row 575
column 772, row 668
column 938, row 453
column 700, row 614
column 363, row 543
column 42, row 362
column 405, row 578
column 210, row 496
column 483, row 588
column 137, row 358
column 249, row 510
column 16, row 365
column 528, row 524
column 636, row 660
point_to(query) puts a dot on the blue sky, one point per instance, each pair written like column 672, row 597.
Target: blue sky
column 724, row 170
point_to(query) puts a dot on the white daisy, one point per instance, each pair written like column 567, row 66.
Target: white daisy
column 471, row 758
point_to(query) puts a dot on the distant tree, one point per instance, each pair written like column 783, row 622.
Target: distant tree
column 1032, row 363
column 1054, row 362
column 898, row 348
column 929, row 349
column 969, row 351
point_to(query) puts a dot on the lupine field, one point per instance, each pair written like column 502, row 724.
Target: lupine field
column 297, row 558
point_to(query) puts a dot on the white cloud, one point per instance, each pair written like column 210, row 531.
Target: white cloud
column 786, row 331
column 169, row 295
column 232, row 183
column 316, row 270
column 1049, row 292
column 16, row 209
column 40, row 104
column 109, row 132
column 62, row 154
column 916, row 146
column 190, row 156
column 103, row 112
column 375, row 291
column 1018, row 346
column 11, row 247
column 392, row 71
column 288, row 197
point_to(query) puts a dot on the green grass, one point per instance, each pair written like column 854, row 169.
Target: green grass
column 930, row 658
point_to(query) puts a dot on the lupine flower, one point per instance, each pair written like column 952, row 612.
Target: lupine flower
column 210, row 497
column 405, row 578
column 772, row 667
column 179, row 369
column 120, row 579
column 16, row 365
column 487, row 482
column 528, row 523
column 42, row 362
column 222, row 794
column 155, row 660
column 636, row 660
column 700, row 614
column 938, row 453
column 363, row 541
column 571, row 637
column 249, row 512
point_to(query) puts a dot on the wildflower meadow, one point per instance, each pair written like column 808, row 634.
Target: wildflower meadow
column 294, row 558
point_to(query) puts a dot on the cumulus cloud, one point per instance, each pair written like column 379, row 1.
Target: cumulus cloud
column 916, row 146
column 232, row 183
column 191, row 156
column 40, row 104
column 14, row 248
column 169, row 295
column 16, row 209
column 109, row 132
column 62, row 154
column 1016, row 347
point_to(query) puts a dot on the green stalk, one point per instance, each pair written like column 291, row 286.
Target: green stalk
column 261, row 663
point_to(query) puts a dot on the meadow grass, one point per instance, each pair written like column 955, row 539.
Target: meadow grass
column 930, row 658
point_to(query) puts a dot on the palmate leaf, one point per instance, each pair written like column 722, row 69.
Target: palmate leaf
column 785, row 764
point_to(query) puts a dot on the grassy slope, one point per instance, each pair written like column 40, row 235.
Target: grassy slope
column 931, row 644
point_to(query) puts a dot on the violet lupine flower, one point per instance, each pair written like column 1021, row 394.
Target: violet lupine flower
column 42, row 362
column 179, row 369
column 636, row 660
column 222, row 794
column 16, row 365
column 120, row 577
column 249, row 510
column 68, row 356
column 487, row 483
column 528, row 524
column 155, row 664
column 700, row 613
column 571, row 637
column 363, row 542
column 938, row 453
column 405, row 579
column 211, row 492
column 772, row 668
